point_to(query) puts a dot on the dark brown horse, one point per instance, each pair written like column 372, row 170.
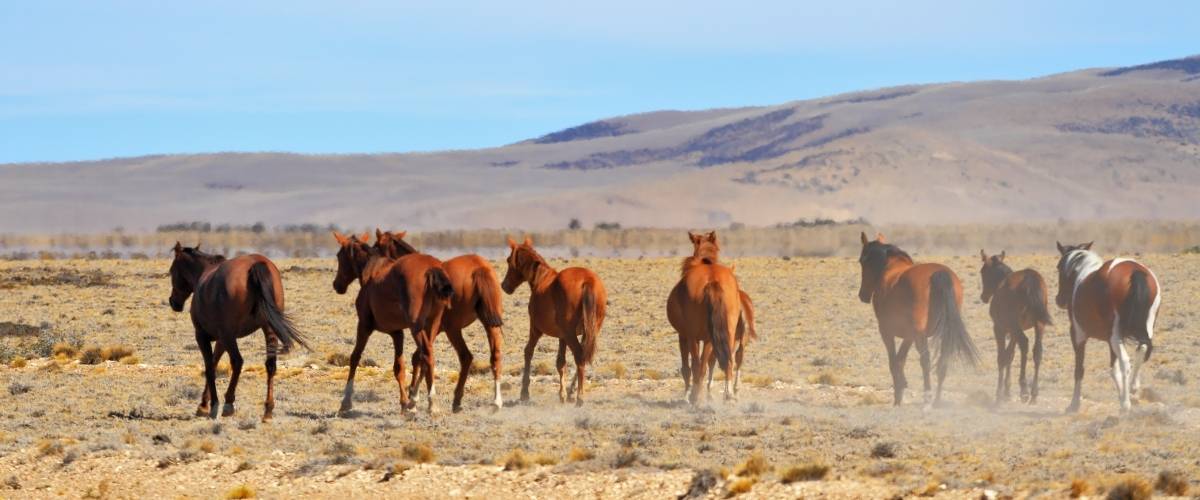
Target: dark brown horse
column 230, row 300
column 476, row 296
column 914, row 302
column 705, row 309
column 1113, row 301
column 562, row 304
column 1018, row 303
column 394, row 294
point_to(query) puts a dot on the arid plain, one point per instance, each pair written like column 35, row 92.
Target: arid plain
column 816, row 394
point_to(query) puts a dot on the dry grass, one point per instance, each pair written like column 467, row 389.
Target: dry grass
column 17, row 362
column 754, row 465
column 823, row 378
column 1079, row 488
column 338, row 359
column 240, row 491
column 1172, row 483
column 419, row 453
column 1129, row 488
column 578, row 454
column 806, row 472
column 617, row 369
column 740, row 486
column 516, row 460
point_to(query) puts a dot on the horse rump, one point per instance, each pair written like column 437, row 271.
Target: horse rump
column 1035, row 298
column 488, row 289
column 952, row 341
column 1135, row 311
column 262, row 282
column 438, row 282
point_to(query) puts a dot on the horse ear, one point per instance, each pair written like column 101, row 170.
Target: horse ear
column 197, row 247
column 711, row 236
column 366, row 236
column 1061, row 250
column 378, row 234
column 178, row 247
column 341, row 238
column 1002, row 254
column 982, row 255
column 879, row 237
column 511, row 244
column 528, row 241
column 863, row 236
column 695, row 238
column 400, row 234
column 1088, row 245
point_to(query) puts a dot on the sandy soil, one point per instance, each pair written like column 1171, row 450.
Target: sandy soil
column 815, row 392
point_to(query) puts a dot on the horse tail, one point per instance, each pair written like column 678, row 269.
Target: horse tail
column 746, row 320
column 437, row 281
column 946, row 324
column 1135, row 311
column 588, row 321
column 718, row 323
column 1035, row 298
column 262, row 282
column 488, row 289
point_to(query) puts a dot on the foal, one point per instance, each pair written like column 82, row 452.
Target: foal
column 562, row 304
column 476, row 295
column 230, row 300
column 1018, row 303
column 1113, row 300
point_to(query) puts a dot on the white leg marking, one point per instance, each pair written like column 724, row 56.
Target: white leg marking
column 1120, row 366
column 499, row 400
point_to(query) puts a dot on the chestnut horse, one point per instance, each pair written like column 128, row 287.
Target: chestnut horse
column 705, row 309
column 914, row 302
column 394, row 294
column 476, row 296
column 562, row 304
column 230, row 300
column 1112, row 301
column 706, row 250
column 1018, row 303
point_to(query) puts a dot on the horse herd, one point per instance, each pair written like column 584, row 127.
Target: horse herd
column 402, row 289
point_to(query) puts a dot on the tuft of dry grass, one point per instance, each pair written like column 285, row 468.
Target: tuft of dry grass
column 652, row 374
column 740, row 486
column 419, row 453
column 884, row 449
column 130, row 360
column 240, row 491
column 338, row 359
column 626, row 457
column 48, row 447
column 544, row 459
column 1130, row 488
column 755, row 465
column 17, row 362
column 823, row 378
column 64, row 349
column 1172, row 483
column 617, row 369
column 578, row 454
column 516, row 460
column 115, row 352
column 1149, row 395
column 543, row 368
column 806, row 472
column 481, row 367
column 91, row 355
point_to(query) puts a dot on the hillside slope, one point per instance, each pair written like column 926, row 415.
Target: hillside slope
column 1107, row 143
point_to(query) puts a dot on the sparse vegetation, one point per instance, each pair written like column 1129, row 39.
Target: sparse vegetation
column 884, row 449
column 578, row 454
column 419, row 453
column 240, row 491
column 1130, row 488
column 806, row 472
column 754, row 465
column 1172, row 483
column 516, row 460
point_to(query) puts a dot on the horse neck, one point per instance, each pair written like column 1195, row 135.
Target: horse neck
column 541, row 272
column 1086, row 263
column 896, row 266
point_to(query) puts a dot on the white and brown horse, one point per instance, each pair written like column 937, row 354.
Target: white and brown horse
column 1113, row 301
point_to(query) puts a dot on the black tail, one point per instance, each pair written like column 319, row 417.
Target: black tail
column 1035, row 298
column 261, row 281
column 488, row 290
column 718, row 323
column 1135, row 311
column 588, row 322
column 946, row 324
column 437, row 281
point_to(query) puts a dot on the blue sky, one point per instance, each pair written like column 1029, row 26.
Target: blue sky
column 87, row 80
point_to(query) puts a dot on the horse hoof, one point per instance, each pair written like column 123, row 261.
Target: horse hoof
column 1073, row 408
column 456, row 409
column 227, row 410
column 202, row 411
column 266, row 418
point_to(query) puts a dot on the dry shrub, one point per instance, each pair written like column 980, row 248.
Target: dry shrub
column 1172, row 483
column 47, row 447
column 480, row 367
column 544, row 459
column 206, row 445
column 516, row 460
column 542, row 368
column 755, row 465
column 653, row 374
column 1131, row 488
column 338, row 359
column 823, row 378
column 64, row 349
column 1149, row 395
column 578, row 454
column 115, row 352
column 618, row 370
column 419, row 453
column 130, row 360
column 17, row 362
column 870, row 399
column 241, row 491
column 742, row 485
column 91, row 355
column 884, row 449
column 806, row 472
column 626, row 457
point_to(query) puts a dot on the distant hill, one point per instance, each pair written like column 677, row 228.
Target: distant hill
column 1091, row 144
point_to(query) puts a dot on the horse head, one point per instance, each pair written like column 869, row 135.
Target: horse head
column 352, row 258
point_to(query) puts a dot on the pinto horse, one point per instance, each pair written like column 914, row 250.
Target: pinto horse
column 230, row 300
column 394, row 294
column 476, row 296
column 1018, row 303
column 1113, row 301
column 914, row 302
column 562, row 304
column 699, row 309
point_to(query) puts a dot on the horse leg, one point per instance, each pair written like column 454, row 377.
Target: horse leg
column 465, row 358
column 1120, row 366
column 360, row 343
column 417, row 363
column 560, row 363
column 1023, row 343
column 685, row 369
column 1080, row 346
column 1135, row 378
column 889, row 344
column 496, row 344
column 712, row 368
column 737, row 374
column 205, row 396
column 1009, row 354
column 273, row 344
column 530, row 345
column 235, row 365
column 210, row 373
column 901, row 358
column 706, row 360
column 998, row 334
column 426, row 347
column 923, row 349
column 398, row 369
column 698, row 365
column 580, row 368
column 1038, row 330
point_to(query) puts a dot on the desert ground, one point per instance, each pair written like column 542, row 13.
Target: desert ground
column 813, row 416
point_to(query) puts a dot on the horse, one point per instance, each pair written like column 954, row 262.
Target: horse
column 705, row 309
column 1018, row 303
column 232, row 298
column 394, row 294
column 562, row 304
column 914, row 302
column 476, row 296
column 1111, row 300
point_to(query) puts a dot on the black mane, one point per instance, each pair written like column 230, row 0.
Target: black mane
column 875, row 255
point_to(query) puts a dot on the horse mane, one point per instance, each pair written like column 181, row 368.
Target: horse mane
column 402, row 245
column 204, row 258
column 1080, row 262
column 999, row 264
column 876, row 256
column 692, row 260
column 530, row 263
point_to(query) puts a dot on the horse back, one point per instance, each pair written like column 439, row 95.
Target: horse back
column 903, row 308
column 223, row 298
column 1012, row 301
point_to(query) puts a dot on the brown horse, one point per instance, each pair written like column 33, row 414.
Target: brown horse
column 394, row 294
column 230, row 300
column 705, row 309
column 914, row 302
column 562, row 304
column 1018, row 303
column 1113, row 301
column 476, row 296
